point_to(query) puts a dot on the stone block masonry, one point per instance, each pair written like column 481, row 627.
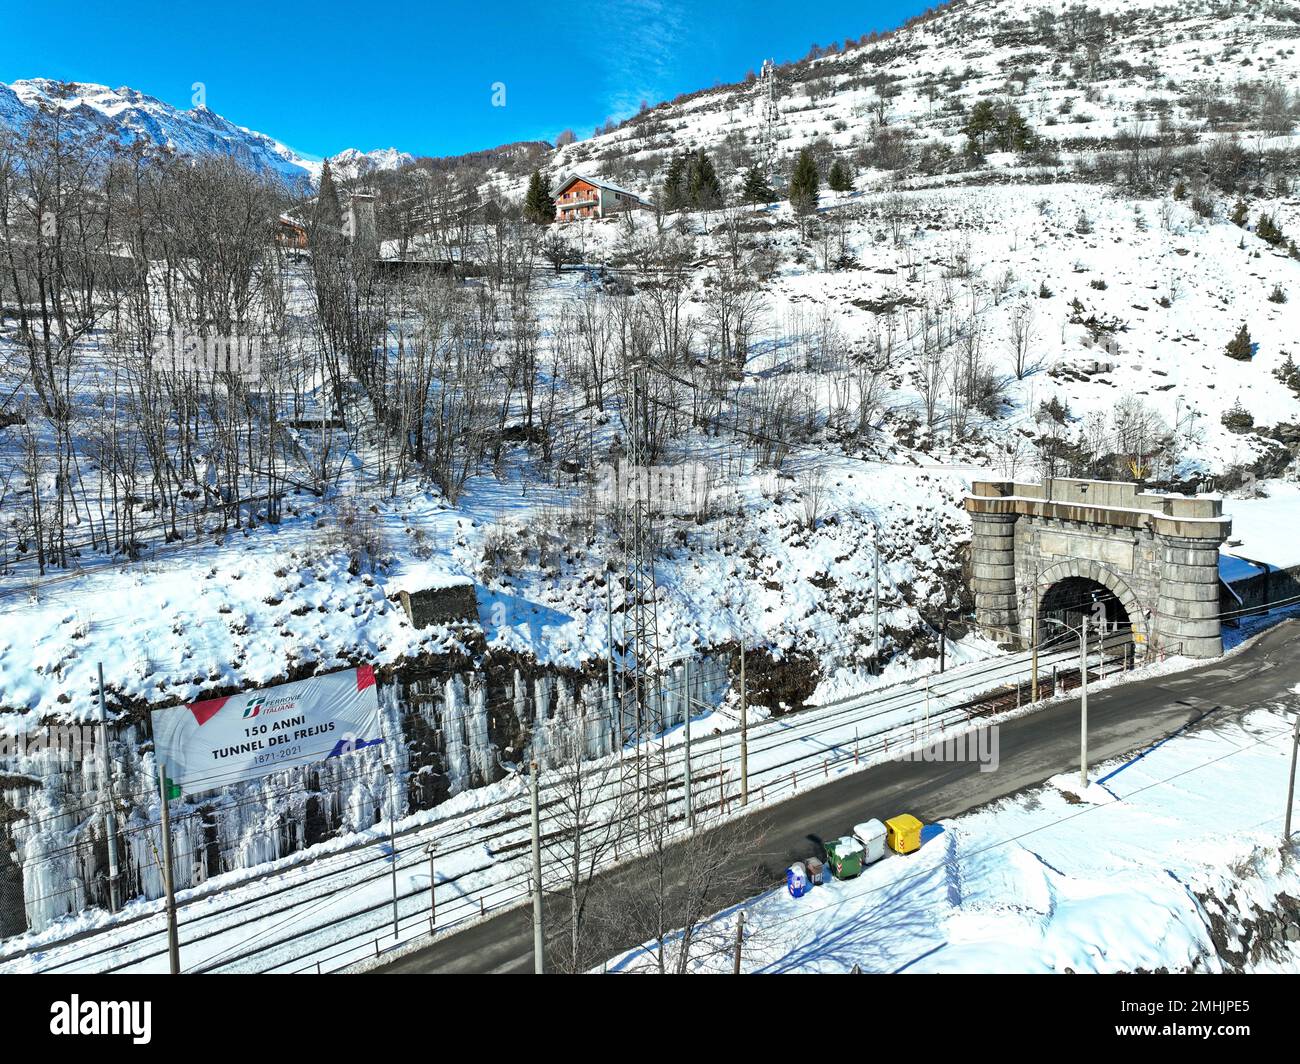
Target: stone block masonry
column 1157, row 554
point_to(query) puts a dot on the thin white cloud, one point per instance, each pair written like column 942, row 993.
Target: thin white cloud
column 639, row 58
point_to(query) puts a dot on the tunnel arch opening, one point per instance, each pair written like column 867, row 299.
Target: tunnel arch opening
column 1072, row 599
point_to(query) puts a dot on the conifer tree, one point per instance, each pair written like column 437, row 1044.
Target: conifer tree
column 539, row 205
column 704, row 190
column 756, row 189
column 674, row 194
column 1014, row 133
column 983, row 120
column 804, row 182
column 1241, row 347
column 838, row 180
column 328, row 212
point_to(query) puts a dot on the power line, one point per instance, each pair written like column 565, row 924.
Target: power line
column 967, row 856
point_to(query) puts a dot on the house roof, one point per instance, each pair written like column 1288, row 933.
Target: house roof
column 598, row 182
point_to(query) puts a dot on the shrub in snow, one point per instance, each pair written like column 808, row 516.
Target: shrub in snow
column 1238, row 419
column 1289, row 374
column 1269, row 231
column 1241, row 347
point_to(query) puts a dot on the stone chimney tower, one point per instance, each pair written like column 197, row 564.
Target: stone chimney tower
column 362, row 228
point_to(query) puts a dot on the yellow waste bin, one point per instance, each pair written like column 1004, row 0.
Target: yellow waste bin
column 903, row 833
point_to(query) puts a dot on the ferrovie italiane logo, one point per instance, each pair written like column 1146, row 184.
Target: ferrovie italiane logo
column 254, row 704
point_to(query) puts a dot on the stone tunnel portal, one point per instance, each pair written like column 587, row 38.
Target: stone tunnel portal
column 1065, row 546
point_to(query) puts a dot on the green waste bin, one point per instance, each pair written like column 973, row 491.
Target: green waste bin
column 845, row 856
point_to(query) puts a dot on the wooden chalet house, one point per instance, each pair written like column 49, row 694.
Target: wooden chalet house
column 290, row 233
column 589, row 197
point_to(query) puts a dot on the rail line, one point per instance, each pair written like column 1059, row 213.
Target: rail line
column 475, row 893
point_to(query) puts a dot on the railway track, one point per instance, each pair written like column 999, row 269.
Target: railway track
column 781, row 751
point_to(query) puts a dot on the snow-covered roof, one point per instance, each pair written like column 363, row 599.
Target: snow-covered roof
column 414, row 577
column 598, row 182
column 1263, row 530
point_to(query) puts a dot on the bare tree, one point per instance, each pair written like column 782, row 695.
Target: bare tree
column 684, row 876
column 1021, row 339
column 587, row 818
column 812, row 493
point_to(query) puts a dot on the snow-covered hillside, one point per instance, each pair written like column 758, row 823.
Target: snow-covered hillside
column 1082, row 73
column 1102, row 268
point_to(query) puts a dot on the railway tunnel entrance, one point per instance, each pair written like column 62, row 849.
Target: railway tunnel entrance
column 1147, row 563
column 1075, row 599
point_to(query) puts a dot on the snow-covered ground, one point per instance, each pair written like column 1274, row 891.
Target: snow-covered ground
column 1139, row 871
column 332, row 904
column 1264, row 529
column 1125, row 300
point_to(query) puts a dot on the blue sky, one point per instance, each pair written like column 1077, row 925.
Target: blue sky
column 323, row 75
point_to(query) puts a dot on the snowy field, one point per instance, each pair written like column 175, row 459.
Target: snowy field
column 1139, row 872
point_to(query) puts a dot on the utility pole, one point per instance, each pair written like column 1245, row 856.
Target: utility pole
column 875, row 605
column 686, row 725
column 943, row 640
column 169, row 884
column 740, row 938
column 539, row 947
column 1083, row 713
column 1033, row 599
column 1290, row 790
column 392, row 837
column 615, row 725
column 106, row 785
column 744, row 731
column 433, row 898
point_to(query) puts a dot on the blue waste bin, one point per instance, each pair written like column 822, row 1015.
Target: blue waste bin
column 796, row 880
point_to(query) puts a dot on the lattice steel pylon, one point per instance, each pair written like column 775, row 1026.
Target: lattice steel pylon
column 639, row 695
column 771, row 116
column 641, row 629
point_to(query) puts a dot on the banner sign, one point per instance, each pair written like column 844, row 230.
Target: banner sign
column 241, row 737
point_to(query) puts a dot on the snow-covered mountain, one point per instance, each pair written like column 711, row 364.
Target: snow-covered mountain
column 351, row 162
column 126, row 116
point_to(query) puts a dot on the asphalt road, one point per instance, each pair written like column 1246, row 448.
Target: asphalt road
column 1032, row 749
